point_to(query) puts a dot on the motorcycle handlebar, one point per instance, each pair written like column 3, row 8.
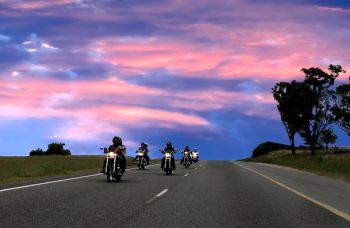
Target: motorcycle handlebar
column 104, row 149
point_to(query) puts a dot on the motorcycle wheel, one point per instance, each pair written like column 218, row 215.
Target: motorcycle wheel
column 118, row 177
column 109, row 174
column 143, row 167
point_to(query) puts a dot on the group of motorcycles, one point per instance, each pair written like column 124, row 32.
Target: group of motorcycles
column 188, row 158
column 114, row 172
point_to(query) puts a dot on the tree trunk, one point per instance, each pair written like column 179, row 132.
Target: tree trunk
column 293, row 146
column 313, row 149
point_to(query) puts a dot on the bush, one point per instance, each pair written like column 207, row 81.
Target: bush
column 57, row 149
column 53, row 149
column 37, row 152
column 266, row 147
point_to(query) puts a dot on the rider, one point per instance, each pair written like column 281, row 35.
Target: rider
column 144, row 148
column 187, row 149
column 169, row 147
column 119, row 148
column 195, row 151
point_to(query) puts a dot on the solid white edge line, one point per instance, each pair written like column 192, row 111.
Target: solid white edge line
column 56, row 181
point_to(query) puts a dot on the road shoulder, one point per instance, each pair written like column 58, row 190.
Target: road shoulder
column 332, row 192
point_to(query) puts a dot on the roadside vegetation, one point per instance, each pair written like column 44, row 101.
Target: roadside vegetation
column 33, row 167
column 52, row 149
column 310, row 109
column 332, row 163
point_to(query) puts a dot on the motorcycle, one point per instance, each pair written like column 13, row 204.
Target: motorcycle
column 141, row 160
column 113, row 169
column 168, row 167
column 195, row 157
column 187, row 161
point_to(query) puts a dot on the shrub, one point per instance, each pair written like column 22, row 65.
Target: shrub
column 37, row 152
column 57, row 149
column 266, row 147
column 53, row 149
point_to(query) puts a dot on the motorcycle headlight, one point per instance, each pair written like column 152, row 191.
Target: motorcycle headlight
column 140, row 154
column 111, row 155
column 167, row 155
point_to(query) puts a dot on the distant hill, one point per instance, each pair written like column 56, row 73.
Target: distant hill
column 266, row 147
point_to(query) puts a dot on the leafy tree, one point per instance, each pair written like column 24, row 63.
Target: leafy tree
column 37, row 152
column 328, row 137
column 288, row 96
column 341, row 109
column 306, row 107
column 57, row 149
column 316, row 115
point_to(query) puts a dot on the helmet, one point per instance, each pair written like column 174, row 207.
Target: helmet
column 195, row 149
column 144, row 144
column 117, row 140
column 169, row 144
column 187, row 147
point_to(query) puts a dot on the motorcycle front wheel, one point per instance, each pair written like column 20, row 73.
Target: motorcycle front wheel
column 109, row 174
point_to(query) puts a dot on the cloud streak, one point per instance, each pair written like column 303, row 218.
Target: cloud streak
column 192, row 72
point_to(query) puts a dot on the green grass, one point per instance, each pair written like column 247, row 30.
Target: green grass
column 323, row 163
column 14, row 169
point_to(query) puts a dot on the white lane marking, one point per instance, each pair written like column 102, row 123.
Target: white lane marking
column 195, row 168
column 323, row 205
column 156, row 196
column 162, row 192
column 56, row 181
column 186, row 174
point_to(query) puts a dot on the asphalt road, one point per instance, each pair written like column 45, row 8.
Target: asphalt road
column 209, row 194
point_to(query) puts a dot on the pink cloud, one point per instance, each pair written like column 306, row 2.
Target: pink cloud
column 48, row 98
column 266, row 54
column 333, row 9
column 37, row 4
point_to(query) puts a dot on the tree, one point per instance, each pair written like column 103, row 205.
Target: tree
column 327, row 137
column 57, row 149
column 288, row 98
column 341, row 109
column 306, row 107
column 316, row 116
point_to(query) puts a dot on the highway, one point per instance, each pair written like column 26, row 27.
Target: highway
column 208, row 194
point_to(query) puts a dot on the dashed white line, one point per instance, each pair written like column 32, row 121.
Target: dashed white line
column 156, row 196
column 162, row 192
column 186, row 174
column 56, row 181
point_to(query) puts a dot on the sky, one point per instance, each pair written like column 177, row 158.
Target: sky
column 195, row 73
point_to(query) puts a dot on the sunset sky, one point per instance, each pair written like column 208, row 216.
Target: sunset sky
column 196, row 73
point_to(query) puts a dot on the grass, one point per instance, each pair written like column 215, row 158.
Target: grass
column 13, row 169
column 323, row 163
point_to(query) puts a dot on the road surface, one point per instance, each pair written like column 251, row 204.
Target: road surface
column 208, row 194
